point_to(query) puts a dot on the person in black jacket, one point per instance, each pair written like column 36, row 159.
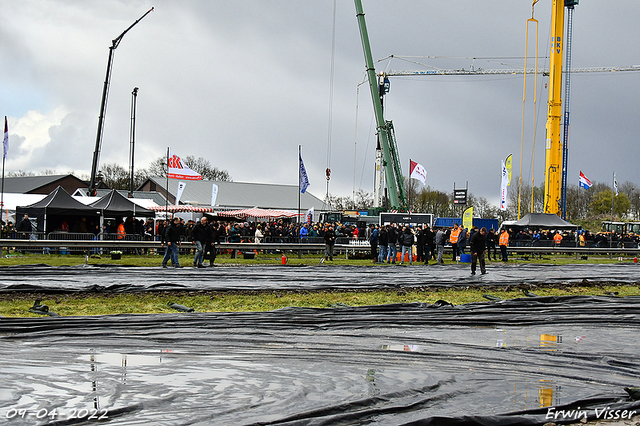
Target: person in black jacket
column 199, row 236
column 25, row 228
column 172, row 239
column 492, row 239
column 373, row 240
column 428, row 244
column 406, row 240
column 330, row 241
column 393, row 239
column 420, row 240
column 478, row 246
column 383, row 242
column 214, row 231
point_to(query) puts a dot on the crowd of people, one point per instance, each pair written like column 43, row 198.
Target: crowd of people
column 390, row 243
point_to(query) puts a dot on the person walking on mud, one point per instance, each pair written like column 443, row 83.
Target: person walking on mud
column 478, row 246
column 172, row 239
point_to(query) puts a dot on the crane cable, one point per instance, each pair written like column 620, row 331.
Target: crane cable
column 524, row 97
column 331, row 78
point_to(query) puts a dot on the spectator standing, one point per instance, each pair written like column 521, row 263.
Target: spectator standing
column 383, row 242
column 420, row 240
column 120, row 231
column 25, row 228
column 440, row 240
column 373, row 240
column 304, row 233
column 453, row 239
column 259, row 236
column 406, row 241
column 234, row 234
column 393, row 239
column 557, row 239
column 478, row 246
column 462, row 240
column 492, row 239
column 504, row 243
column 428, row 243
column 213, row 234
column 199, row 237
column 330, row 241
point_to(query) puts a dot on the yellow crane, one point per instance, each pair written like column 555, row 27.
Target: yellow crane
column 553, row 151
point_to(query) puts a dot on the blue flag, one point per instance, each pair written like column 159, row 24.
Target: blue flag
column 304, row 179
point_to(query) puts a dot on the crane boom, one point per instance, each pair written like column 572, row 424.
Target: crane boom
column 481, row 71
column 553, row 148
column 103, row 107
column 397, row 194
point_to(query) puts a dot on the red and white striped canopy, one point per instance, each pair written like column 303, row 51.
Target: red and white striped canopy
column 182, row 208
column 257, row 213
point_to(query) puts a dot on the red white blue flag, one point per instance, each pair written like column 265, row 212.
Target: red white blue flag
column 584, row 181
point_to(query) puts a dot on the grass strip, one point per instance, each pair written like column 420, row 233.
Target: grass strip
column 17, row 304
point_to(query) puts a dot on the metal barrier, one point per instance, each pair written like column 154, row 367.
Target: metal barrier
column 129, row 246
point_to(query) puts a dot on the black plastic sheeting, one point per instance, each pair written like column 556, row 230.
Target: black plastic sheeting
column 512, row 362
column 46, row 279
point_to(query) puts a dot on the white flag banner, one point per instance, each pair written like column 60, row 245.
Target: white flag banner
column 176, row 169
column 181, row 186
column 214, row 194
column 418, row 172
column 615, row 184
column 310, row 215
column 503, row 187
column 303, row 178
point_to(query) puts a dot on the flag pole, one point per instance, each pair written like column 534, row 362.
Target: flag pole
column 408, row 188
column 5, row 144
column 299, row 189
column 166, row 202
column 2, row 194
column 613, row 188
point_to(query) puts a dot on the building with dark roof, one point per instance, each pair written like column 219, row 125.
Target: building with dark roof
column 42, row 184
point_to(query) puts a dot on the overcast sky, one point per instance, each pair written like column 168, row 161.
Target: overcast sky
column 244, row 82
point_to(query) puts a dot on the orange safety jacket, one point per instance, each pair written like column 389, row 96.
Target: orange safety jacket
column 121, row 232
column 557, row 238
column 504, row 239
column 455, row 234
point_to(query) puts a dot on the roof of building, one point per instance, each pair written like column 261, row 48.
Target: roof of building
column 237, row 195
column 154, row 196
column 29, row 184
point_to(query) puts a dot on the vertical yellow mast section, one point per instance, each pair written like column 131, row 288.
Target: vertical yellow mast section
column 553, row 165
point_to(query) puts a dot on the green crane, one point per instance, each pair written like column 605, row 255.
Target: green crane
column 386, row 135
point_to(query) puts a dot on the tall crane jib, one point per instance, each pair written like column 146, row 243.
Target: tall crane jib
column 392, row 168
column 555, row 163
column 553, row 152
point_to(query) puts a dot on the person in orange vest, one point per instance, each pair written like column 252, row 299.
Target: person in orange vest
column 120, row 231
column 504, row 243
column 453, row 239
column 557, row 239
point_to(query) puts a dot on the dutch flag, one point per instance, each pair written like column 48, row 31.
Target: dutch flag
column 584, row 181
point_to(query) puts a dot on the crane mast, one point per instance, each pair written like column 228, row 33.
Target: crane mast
column 393, row 175
column 570, row 4
column 553, row 151
column 93, row 184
